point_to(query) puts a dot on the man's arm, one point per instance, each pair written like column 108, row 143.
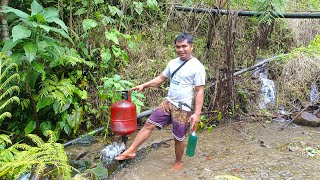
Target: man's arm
column 152, row 83
column 195, row 118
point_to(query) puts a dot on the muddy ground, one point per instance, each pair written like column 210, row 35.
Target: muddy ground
column 249, row 150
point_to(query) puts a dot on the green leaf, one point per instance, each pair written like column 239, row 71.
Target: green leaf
column 105, row 55
column 59, row 22
column 88, row 24
column 116, row 51
column 33, row 78
column 138, row 7
column 153, row 4
column 83, row 94
column 66, row 105
column 19, row 13
column 50, row 13
column 30, row 127
column 46, row 28
column 36, row 8
column 209, row 129
column 20, row 32
column 5, row 138
column 9, row 44
column 40, row 18
column 98, row 2
column 44, row 102
column 62, row 33
column 67, row 129
column 39, row 68
column 7, row 156
column 30, row 50
column 44, row 126
column 116, row 77
column 107, row 20
column 114, row 10
column 80, row 11
column 112, row 36
column 56, row 107
column 219, row 117
column 124, row 56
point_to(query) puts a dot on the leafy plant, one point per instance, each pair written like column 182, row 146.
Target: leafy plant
column 44, row 160
column 8, row 78
column 44, row 56
column 208, row 124
column 111, row 88
column 270, row 9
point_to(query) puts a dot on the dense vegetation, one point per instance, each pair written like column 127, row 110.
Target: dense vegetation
column 62, row 61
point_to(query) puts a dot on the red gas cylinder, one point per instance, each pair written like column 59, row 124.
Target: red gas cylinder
column 123, row 115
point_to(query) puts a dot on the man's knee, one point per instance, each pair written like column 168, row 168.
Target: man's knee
column 149, row 126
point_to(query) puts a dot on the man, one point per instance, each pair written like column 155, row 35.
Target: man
column 187, row 79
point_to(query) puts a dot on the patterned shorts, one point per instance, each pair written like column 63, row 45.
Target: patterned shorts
column 168, row 113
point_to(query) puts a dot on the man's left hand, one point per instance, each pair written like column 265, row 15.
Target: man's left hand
column 194, row 119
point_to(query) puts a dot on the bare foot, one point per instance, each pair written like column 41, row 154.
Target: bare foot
column 125, row 155
column 177, row 166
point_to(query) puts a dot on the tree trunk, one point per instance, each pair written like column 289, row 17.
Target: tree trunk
column 4, row 22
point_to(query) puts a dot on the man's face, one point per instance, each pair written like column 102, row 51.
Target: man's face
column 183, row 49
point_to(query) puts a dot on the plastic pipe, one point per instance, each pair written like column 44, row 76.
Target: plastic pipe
column 309, row 15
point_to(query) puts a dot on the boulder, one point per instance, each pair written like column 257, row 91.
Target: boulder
column 307, row 119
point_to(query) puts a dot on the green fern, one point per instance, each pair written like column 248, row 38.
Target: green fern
column 45, row 159
column 4, row 140
column 56, row 90
column 8, row 77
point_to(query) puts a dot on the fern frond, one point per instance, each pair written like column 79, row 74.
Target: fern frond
column 66, row 90
column 52, row 136
column 36, row 139
column 5, row 139
column 22, row 146
column 5, row 115
column 8, row 71
column 25, row 103
column 46, row 90
column 59, row 96
column 9, row 68
column 10, row 91
column 55, row 78
column 227, row 177
column 40, row 168
column 9, row 101
column 7, row 81
column 89, row 63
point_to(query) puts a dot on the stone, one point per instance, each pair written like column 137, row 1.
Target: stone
column 307, row 119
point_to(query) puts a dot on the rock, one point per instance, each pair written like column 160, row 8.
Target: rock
column 307, row 119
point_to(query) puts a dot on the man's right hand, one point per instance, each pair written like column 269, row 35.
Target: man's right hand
column 138, row 88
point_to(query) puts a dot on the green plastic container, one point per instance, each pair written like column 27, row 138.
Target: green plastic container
column 192, row 143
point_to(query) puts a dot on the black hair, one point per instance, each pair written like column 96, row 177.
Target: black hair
column 184, row 36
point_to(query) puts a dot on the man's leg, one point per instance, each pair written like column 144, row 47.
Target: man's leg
column 179, row 150
column 143, row 135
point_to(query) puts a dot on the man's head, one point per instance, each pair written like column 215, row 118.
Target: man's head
column 184, row 46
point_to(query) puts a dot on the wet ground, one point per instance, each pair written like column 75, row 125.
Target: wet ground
column 249, row 150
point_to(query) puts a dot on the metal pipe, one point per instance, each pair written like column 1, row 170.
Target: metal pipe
column 309, row 15
column 140, row 115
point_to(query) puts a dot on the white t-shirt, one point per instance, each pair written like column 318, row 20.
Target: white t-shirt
column 184, row 80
